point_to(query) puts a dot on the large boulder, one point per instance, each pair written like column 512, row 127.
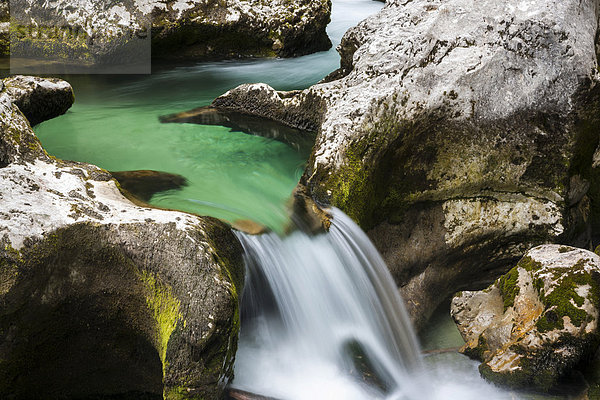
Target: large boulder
column 100, row 32
column 457, row 133
column 536, row 322
column 99, row 297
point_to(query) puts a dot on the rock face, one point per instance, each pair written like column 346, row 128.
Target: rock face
column 458, row 133
column 234, row 28
column 537, row 321
column 100, row 297
column 39, row 99
column 99, row 32
column 4, row 28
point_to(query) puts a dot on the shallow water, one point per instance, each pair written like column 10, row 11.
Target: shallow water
column 114, row 124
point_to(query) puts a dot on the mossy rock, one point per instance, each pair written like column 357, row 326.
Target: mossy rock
column 537, row 322
column 90, row 311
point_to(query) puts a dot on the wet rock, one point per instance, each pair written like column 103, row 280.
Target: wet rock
column 306, row 214
column 537, row 322
column 236, row 394
column 458, row 134
column 299, row 139
column 143, row 184
column 103, row 298
column 39, row 99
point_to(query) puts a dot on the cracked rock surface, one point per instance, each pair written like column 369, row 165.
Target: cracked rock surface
column 538, row 321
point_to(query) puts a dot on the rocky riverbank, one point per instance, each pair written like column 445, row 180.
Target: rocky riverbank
column 99, row 33
column 458, row 134
column 100, row 297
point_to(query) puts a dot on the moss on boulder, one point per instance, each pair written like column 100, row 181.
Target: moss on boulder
column 536, row 322
column 103, row 298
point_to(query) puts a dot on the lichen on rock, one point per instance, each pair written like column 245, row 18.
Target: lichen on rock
column 536, row 322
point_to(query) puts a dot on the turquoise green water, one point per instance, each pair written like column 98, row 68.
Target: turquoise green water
column 114, row 124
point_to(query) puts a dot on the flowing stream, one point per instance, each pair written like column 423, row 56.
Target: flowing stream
column 321, row 318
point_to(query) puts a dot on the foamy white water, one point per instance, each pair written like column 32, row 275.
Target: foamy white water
column 310, row 307
column 317, row 309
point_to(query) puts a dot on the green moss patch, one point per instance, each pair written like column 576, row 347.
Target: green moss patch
column 508, row 287
column 164, row 307
column 563, row 300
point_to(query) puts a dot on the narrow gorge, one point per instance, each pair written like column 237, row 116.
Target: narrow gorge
column 292, row 199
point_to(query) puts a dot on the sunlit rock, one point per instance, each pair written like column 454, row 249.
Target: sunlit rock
column 39, row 99
column 459, row 134
column 100, row 297
column 536, row 322
column 99, row 32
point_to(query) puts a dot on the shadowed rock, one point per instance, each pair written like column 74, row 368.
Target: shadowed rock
column 299, row 139
column 143, row 184
column 39, row 99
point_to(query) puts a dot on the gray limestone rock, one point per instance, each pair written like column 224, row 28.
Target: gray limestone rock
column 94, row 32
column 536, row 322
column 458, row 133
column 100, row 297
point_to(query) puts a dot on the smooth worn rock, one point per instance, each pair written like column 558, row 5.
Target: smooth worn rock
column 457, row 133
column 299, row 139
column 143, row 184
column 39, row 99
column 537, row 322
column 99, row 32
column 102, row 298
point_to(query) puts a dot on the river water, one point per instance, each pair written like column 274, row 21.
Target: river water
column 114, row 124
column 320, row 320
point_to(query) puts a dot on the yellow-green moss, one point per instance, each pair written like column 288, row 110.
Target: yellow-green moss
column 165, row 309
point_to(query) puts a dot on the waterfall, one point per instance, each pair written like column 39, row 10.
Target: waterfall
column 322, row 319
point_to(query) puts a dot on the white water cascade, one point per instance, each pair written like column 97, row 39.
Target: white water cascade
column 312, row 307
column 322, row 319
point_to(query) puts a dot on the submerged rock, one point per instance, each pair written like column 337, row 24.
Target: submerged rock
column 299, row 139
column 99, row 32
column 143, row 184
column 103, row 298
column 459, row 134
column 536, row 322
